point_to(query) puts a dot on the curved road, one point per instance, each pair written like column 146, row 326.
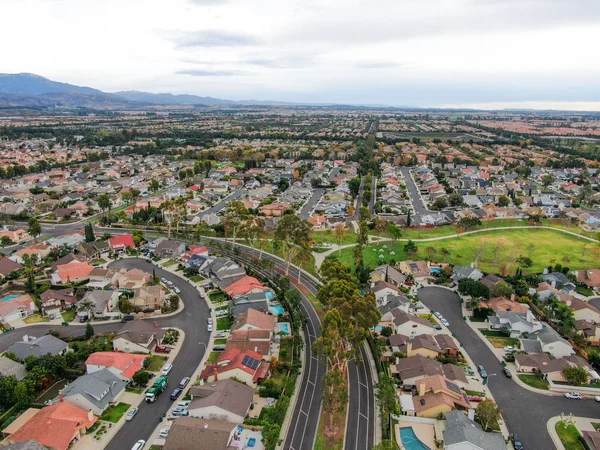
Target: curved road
column 525, row 412
column 191, row 320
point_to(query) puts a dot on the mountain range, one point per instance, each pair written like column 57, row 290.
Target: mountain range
column 34, row 91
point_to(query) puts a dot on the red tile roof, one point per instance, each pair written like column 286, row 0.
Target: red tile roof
column 121, row 242
column 244, row 286
column 126, row 363
column 74, row 271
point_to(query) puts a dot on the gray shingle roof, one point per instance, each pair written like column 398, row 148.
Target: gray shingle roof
column 41, row 346
column 8, row 368
column 99, row 388
column 228, row 395
column 459, row 428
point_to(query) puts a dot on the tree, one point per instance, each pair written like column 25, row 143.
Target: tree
column 576, row 376
column 30, row 271
column 473, row 288
column 141, row 377
column 335, row 395
column 440, row 203
column 339, row 232
column 332, row 270
column 126, row 197
column 524, row 261
column 469, row 223
column 236, row 217
column 35, row 229
column 125, row 306
column 154, row 185
column 89, row 233
column 104, row 202
column 522, row 288
column 364, row 214
column 501, row 289
column 89, row 331
column 174, row 302
column 409, row 218
column 5, row 241
column 431, row 251
column 503, row 201
column 488, row 414
column 411, row 248
column 292, row 237
column 547, row 179
column 455, row 199
column 86, row 306
column 385, row 396
column 354, row 186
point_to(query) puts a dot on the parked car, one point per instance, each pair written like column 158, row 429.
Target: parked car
column 176, row 393
column 177, row 290
column 510, row 349
column 184, row 403
column 475, row 398
column 183, row 383
column 163, row 433
column 437, row 314
column 482, row 372
column 437, row 327
column 444, row 322
column 516, row 442
column 209, row 321
column 573, row 395
column 180, row 411
column 127, row 318
column 139, row 445
column 162, row 349
column 507, row 373
column 209, row 328
column 220, row 334
column 167, row 368
column 219, row 348
column 164, row 280
column 83, row 319
column 131, row 414
column 597, row 398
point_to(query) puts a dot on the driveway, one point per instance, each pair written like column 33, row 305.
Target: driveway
column 525, row 412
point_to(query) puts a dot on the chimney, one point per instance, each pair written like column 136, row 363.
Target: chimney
column 216, row 374
column 421, row 388
column 60, row 396
column 512, row 297
column 553, row 283
column 90, row 415
column 408, row 348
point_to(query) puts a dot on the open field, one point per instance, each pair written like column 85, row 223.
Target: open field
column 494, row 251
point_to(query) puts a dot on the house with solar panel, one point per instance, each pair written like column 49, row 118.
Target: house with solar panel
column 247, row 367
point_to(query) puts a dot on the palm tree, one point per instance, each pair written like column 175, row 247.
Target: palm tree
column 86, row 306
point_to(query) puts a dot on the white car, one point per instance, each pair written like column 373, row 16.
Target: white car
column 177, row 290
column 167, row 368
column 209, row 320
column 164, row 432
column 131, row 414
column 597, row 398
column 139, row 445
column 510, row 349
column 444, row 322
column 438, row 315
column 184, row 403
column 573, row 395
column 209, row 328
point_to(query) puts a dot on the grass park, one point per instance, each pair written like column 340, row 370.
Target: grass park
column 494, row 251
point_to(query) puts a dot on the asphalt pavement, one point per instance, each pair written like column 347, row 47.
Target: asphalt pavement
column 217, row 207
column 311, row 203
column 419, row 207
column 525, row 412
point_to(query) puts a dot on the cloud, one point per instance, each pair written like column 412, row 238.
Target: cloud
column 212, row 38
column 209, row 73
column 208, row 2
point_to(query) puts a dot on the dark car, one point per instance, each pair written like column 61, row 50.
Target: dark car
column 516, row 442
column 83, row 319
column 127, row 319
column 176, row 394
column 507, row 373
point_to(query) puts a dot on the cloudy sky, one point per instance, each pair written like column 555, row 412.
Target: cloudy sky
column 483, row 53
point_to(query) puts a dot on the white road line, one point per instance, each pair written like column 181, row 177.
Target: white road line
column 359, row 395
column 361, row 414
column 363, row 384
column 364, row 368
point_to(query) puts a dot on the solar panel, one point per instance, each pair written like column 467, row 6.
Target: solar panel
column 249, row 361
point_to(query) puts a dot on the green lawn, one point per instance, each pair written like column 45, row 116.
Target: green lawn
column 329, row 237
column 491, row 333
column 196, row 278
column 69, row 315
column 217, row 297
column 534, row 381
column 212, row 357
column 569, row 436
column 584, row 291
column 114, row 413
column 156, row 363
column 474, row 393
column 429, row 317
column 224, row 323
column 220, row 341
column 477, row 319
column 596, row 426
column 36, row 318
column 286, row 344
column 221, row 308
column 170, row 263
column 496, row 251
column 133, row 390
column 501, row 342
column 98, row 262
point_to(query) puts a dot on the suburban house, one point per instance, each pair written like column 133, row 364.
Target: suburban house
column 32, row 346
column 189, row 433
column 589, row 330
column 137, row 336
column 100, row 303
column 592, row 439
column 411, row 369
column 559, row 281
column 67, row 259
column 584, row 310
column 517, row 322
column 254, row 320
column 15, row 307
column 223, row 400
column 591, row 278
column 169, row 249
column 124, row 365
column 7, row 266
column 119, row 243
column 551, row 342
column 10, row 368
column 253, row 339
column 93, row 250
column 504, row 304
column 95, row 391
column 418, row 269
column 389, row 274
column 16, row 236
column 133, row 279
column 551, row 368
column 437, row 395
column 427, row 345
column 57, row 300
column 246, row 367
column 73, row 272
column 465, row 272
column 391, row 302
column 491, row 280
column 246, row 285
column 241, row 304
column 462, row 433
column 383, row 289
column 147, row 298
column 55, row 426
column 41, row 250
column 410, row 325
column 103, row 278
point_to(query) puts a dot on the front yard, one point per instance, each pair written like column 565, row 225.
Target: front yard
column 196, row 278
column 217, row 297
column 114, row 413
column 170, row 263
column 36, row 318
column 212, row 357
column 69, row 315
column 501, row 342
column 224, row 323
column 156, row 363
column 569, row 436
column 534, row 381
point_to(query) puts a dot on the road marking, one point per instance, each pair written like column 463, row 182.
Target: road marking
column 310, row 382
column 361, row 414
column 363, row 384
column 304, row 413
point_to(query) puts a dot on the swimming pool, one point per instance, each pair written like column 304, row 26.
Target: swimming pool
column 283, row 327
column 276, row 310
column 410, row 441
column 269, row 295
column 435, row 270
column 9, row 297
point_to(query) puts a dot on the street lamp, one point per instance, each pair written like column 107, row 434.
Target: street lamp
column 486, row 381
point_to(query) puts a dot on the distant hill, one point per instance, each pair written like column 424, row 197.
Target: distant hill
column 30, row 84
column 171, row 99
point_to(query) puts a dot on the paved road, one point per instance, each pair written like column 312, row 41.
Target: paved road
column 359, row 198
column 311, row 203
column 334, row 173
column 360, row 427
column 373, row 196
column 191, row 320
column 220, row 205
column 413, row 192
column 525, row 412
